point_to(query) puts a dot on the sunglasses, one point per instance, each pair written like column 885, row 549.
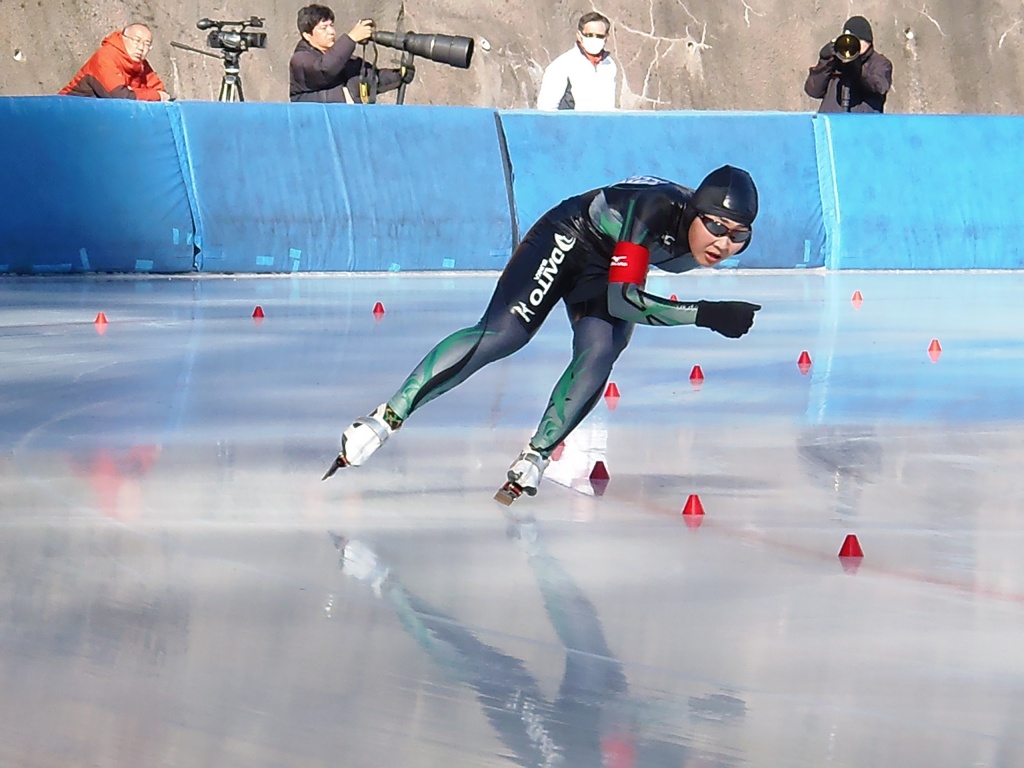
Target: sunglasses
column 718, row 229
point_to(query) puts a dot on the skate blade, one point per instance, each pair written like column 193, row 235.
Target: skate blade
column 338, row 464
column 508, row 493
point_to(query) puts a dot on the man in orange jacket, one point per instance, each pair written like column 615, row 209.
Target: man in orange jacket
column 119, row 70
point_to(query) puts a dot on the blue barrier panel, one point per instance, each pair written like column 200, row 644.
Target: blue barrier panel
column 311, row 187
column 91, row 185
column 925, row 191
column 556, row 155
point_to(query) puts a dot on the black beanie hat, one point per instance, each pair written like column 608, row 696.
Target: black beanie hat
column 728, row 192
column 859, row 27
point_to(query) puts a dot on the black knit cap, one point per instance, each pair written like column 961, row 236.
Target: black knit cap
column 859, row 27
column 728, row 192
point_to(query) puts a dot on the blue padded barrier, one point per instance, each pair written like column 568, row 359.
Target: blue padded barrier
column 556, row 155
column 90, row 186
column 311, row 187
column 93, row 186
column 924, row 191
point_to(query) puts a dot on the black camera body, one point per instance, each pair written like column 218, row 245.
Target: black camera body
column 234, row 35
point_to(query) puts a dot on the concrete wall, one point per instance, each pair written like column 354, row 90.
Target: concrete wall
column 949, row 57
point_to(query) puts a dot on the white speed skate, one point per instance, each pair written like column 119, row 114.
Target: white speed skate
column 361, row 440
column 523, row 476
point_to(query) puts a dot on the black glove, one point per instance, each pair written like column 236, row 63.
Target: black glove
column 729, row 318
column 827, row 51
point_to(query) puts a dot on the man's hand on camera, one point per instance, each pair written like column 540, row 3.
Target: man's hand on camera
column 827, row 51
column 361, row 32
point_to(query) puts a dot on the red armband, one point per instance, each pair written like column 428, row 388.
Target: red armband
column 629, row 264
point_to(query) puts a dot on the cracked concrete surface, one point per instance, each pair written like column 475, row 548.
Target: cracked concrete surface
column 673, row 54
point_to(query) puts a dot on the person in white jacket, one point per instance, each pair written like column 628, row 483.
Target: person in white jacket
column 584, row 77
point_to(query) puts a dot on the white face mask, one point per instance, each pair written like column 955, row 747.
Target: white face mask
column 593, row 45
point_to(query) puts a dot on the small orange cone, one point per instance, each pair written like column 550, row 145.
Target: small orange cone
column 257, row 313
column 378, row 310
column 673, row 298
column 857, row 299
column 101, row 319
column 611, row 395
column 804, row 363
column 935, row 350
column 599, row 478
column 693, row 505
column 696, row 377
column 851, row 547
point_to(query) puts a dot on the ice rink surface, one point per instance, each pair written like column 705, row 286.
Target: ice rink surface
column 171, row 585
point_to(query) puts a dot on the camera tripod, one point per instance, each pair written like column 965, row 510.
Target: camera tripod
column 231, row 82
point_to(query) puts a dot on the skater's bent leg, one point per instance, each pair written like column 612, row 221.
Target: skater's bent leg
column 510, row 320
column 459, row 356
column 597, row 344
column 516, row 310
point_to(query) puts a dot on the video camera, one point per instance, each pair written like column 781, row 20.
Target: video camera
column 232, row 35
column 232, row 40
column 453, row 50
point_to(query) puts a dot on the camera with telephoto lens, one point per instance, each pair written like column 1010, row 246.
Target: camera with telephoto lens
column 453, row 50
column 847, row 47
column 234, row 35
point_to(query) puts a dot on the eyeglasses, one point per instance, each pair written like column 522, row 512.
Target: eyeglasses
column 147, row 44
column 718, row 229
column 597, row 35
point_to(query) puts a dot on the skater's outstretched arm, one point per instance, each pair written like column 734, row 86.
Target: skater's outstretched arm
column 628, row 301
column 628, row 272
column 729, row 318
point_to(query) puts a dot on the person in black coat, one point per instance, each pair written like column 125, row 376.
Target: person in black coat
column 859, row 85
column 322, row 68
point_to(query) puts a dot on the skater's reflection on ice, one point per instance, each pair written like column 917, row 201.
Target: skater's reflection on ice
column 593, row 720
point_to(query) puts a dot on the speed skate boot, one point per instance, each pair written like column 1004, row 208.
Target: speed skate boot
column 365, row 436
column 523, row 476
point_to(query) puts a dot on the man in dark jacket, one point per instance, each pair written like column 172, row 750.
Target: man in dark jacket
column 323, row 69
column 853, row 86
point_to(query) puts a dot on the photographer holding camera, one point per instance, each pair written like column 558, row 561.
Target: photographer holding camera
column 323, row 69
column 850, row 76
